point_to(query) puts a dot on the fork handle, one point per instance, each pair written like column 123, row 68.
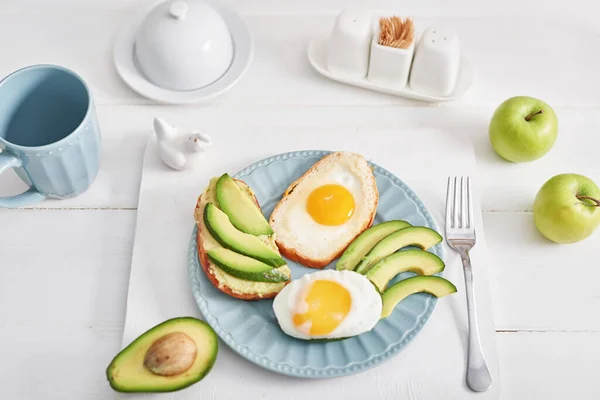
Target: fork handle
column 478, row 374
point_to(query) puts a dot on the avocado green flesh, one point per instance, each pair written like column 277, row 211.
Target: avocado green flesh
column 433, row 285
column 365, row 242
column 228, row 236
column 419, row 236
column 417, row 261
column 236, row 285
column 127, row 373
column 244, row 267
column 240, row 209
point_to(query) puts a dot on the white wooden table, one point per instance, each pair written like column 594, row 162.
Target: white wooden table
column 64, row 266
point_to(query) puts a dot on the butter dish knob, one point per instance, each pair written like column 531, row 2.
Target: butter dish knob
column 178, row 10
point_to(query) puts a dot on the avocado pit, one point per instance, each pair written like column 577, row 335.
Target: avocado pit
column 172, row 354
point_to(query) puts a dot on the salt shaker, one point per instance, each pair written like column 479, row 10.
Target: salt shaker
column 436, row 63
column 350, row 43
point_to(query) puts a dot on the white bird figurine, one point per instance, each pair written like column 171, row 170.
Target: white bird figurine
column 177, row 149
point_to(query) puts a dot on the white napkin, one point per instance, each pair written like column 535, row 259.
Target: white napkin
column 432, row 366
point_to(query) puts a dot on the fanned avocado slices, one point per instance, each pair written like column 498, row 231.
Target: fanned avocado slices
column 365, row 242
column 240, row 208
column 244, row 267
column 419, row 236
column 417, row 261
column 230, row 237
column 433, row 285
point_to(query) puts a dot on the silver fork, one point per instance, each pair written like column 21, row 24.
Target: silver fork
column 460, row 234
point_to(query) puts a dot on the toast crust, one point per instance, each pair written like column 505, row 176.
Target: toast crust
column 291, row 253
column 207, row 267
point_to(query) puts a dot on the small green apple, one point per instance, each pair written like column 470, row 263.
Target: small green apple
column 567, row 208
column 523, row 129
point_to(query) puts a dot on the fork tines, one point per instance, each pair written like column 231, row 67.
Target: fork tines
column 459, row 204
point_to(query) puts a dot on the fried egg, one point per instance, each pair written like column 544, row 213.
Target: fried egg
column 324, row 210
column 328, row 304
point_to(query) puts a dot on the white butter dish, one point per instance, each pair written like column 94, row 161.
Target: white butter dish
column 183, row 51
column 317, row 53
column 436, row 63
column 350, row 44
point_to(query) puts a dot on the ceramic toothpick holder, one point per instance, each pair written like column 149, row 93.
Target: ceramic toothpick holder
column 389, row 65
column 349, row 44
column 436, row 63
column 177, row 148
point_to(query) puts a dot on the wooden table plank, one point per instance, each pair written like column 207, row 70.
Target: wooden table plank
column 57, row 363
column 512, row 58
column 65, row 268
column 73, row 270
column 67, row 362
column 537, row 284
column 549, row 365
column 503, row 186
column 64, row 273
column 408, row 7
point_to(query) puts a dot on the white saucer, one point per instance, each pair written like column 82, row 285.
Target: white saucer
column 128, row 70
column 317, row 55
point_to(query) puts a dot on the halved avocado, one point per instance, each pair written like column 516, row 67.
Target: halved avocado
column 240, row 209
column 417, row 261
column 228, row 236
column 244, row 267
column 434, row 285
column 365, row 242
column 419, row 236
column 171, row 356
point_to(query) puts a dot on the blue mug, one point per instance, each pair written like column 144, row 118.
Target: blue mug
column 49, row 133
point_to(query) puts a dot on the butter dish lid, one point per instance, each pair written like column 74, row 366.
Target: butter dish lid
column 183, row 51
column 183, row 45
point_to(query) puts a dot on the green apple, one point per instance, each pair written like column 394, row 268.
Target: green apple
column 523, row 129
column 567, row 208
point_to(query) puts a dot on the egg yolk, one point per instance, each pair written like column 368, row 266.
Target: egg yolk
column 330, row 204
column 328, row 304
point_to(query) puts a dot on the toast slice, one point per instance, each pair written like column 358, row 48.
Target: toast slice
column 318, row 246
column 228, row 284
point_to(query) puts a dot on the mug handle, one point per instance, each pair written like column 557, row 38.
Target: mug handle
column 29, row 197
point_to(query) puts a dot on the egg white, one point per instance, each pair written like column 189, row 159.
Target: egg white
column 364, row 313
column 300, row 225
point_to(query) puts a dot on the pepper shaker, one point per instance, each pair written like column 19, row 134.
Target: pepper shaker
column 436, row 62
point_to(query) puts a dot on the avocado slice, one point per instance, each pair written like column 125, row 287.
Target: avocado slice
column 417, row 261
column 365, row 242
column 434, row 285
column 171, row 356
column 241, row 210
column 228, row 236
column 419, row 236
column 244, row 267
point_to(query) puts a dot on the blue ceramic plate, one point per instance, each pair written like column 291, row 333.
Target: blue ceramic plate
column 250, row 327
